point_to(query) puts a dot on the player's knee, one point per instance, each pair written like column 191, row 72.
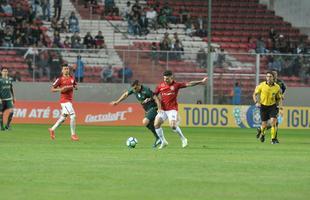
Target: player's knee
column 145, row 122
column 63, row 117
column 72, row 116
column 157, row 125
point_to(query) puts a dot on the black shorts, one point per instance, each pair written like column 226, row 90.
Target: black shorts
column 277, row 110
column 151, row 114
column 267, row 112
column 6, row 104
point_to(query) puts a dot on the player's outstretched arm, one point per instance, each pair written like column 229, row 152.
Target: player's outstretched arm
column 194, row 83
column 121, row 98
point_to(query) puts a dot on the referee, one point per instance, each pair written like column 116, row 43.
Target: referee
column 267, row 96
column 283, row 89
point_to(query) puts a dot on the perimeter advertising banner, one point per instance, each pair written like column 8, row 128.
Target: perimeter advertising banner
column 193, row 115
column 131, row 114
column 88, row 113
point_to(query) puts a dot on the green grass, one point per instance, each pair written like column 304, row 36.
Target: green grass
column 218, row 164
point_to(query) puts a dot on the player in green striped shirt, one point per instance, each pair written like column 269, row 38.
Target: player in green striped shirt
column 145, row 96
column 7, row 97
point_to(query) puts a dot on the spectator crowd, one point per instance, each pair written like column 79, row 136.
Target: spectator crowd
column 21, row 25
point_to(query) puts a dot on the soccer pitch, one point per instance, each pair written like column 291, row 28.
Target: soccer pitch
column 219, row 163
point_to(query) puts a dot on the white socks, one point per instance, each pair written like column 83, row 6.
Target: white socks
column 62, row 119
column 179, row 132
column 160, row 134
column 72, row 124
column 59, row 122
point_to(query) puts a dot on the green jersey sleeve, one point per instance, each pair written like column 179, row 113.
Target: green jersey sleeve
column 149, row 92
column 130, row 91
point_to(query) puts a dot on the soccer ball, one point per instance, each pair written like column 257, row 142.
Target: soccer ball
column 131, row 142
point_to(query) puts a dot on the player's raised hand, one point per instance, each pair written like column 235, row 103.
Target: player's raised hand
column 204, row 80
column 114, row 103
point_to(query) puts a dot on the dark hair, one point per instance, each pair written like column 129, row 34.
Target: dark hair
column 65, row 65
column 167, row 73
column 270, row 72
column 275, row 73
column 135, row 82
column 2, row 68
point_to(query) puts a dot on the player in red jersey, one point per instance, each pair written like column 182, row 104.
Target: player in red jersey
column 168, row 106
column 65, row 84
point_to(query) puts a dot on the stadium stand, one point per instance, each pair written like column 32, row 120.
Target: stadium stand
column 233, row 23
column 20, row 28
column 239, row 27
